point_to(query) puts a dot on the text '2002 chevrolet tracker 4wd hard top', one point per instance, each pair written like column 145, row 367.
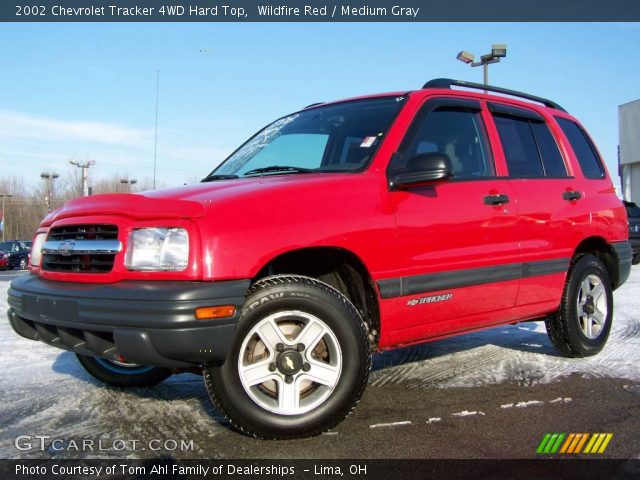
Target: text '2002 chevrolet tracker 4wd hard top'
column 339, row 230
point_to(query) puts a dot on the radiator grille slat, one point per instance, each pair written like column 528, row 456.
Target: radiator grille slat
column 70, row 262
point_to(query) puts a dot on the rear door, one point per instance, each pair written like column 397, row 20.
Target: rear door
column 457, row 249
column 548, row 200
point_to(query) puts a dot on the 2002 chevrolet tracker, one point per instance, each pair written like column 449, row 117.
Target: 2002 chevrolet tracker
column 340, row 230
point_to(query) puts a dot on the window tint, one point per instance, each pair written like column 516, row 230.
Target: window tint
column 548, row 148
column 519, row 145
column 459, row 134
column 583, row 148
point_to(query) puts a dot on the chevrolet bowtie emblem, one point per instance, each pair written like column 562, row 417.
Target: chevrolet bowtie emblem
column 66, row 247
column 289, row 363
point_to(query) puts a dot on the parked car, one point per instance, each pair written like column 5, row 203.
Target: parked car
column 633, row 214
column 16, row 254
column 342, row 229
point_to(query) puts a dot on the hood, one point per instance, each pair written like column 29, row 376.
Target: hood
column 132, row 205
column 216, row 193
column 191, row 201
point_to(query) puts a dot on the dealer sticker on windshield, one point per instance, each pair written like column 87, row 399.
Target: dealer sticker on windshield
column 368, row 141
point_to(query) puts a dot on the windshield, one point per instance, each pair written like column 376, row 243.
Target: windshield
column 339, row 137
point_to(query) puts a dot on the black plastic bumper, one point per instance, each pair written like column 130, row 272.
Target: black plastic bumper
column 150, row 322
column 625, row 257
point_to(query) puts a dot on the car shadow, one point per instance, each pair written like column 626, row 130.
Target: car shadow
column 522, row 337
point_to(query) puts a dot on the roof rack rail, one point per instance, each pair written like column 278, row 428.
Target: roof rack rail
column 313, row 105
column 449, row 82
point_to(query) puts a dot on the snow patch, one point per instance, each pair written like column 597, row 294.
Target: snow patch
column 392, row 424
column 561, row 400
column 434, row 419
column 466, row 413
column 529, row 403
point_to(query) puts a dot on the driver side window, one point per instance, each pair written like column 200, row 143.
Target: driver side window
column 456, row 132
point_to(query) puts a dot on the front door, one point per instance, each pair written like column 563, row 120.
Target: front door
column 459, row 261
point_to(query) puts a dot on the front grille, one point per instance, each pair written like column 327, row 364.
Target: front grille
column 84, row 232
column 70, row 262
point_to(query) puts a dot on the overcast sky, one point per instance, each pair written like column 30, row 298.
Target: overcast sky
column 87, row 91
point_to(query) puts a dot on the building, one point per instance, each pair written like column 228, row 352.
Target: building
column 629, row 150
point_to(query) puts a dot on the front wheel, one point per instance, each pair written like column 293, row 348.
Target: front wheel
column 581, row 325
column 120, row 373
column 23, row 264
column 299, row 362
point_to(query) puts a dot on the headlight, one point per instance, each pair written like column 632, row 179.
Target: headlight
column 165, row 249
column 36, row 249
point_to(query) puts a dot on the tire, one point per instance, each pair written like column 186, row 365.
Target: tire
column 636, row 259
column 581, row 326
column 289, row 310
column 120, row 374
column 22, row 265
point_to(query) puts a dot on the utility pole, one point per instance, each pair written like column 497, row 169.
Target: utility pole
column 4, row 222
column 128, row 182
column 49, row 178
column 155, row 138
column 85, row 174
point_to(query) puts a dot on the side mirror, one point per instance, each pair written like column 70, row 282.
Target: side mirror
column 423, row 169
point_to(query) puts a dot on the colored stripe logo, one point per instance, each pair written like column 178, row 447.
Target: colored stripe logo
column 574, row 443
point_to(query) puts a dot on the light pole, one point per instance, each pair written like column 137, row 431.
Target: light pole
column 498, row 51
column 85, row 174
column 128, row 182
column 49, row 178
column 4, row 222
column 155, row 136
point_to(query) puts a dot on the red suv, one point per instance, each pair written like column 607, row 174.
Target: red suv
column 337, row 231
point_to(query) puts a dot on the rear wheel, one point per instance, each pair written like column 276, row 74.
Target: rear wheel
column 299, row 362
column 120, row 373
column 581, row 325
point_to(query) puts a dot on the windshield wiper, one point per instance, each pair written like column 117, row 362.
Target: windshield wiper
column 278, row 168
column 212, row 178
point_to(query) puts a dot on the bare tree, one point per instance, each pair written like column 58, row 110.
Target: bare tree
column 26, row 208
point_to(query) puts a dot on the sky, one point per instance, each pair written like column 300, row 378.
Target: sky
column 88, row 91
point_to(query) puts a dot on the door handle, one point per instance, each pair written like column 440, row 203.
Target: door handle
column 571, row 196
column 498, row 199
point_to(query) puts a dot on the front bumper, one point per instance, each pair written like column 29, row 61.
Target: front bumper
column 147, row 322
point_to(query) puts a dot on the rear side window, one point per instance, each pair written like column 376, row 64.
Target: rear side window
column 548, row 148
column 519, row 147
column 529, row 148
column 585, row 151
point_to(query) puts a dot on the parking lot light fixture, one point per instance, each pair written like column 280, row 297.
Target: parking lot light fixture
column 49, row 178
column 498, row 51
column 128, row 182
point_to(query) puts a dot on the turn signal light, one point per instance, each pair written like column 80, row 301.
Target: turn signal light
column 207, row 313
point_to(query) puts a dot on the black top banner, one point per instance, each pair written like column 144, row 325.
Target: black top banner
column 320, row 11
